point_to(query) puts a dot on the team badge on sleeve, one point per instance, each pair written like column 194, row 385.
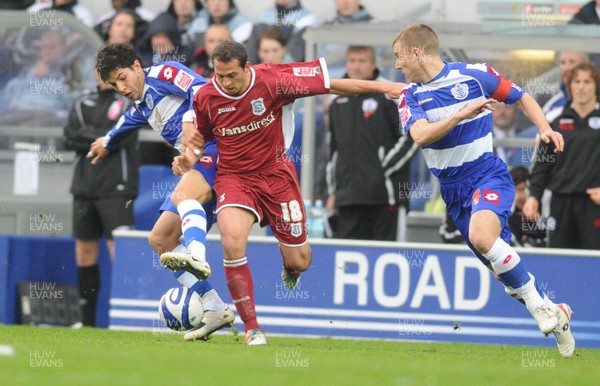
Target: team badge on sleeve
column 168, row 73
column 305, row 71
column 183, row 80
column 258, row 106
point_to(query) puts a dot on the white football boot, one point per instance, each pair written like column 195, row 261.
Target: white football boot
column 211, row 321
column 545, row 318
column 562, row 332
column 255, row 337
column 179, row 261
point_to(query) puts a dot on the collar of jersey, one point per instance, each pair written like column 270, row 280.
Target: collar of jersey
column 441, row 74
column 146, row 87
column 218, row 88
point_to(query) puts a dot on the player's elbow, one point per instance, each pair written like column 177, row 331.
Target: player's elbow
column 420, row 138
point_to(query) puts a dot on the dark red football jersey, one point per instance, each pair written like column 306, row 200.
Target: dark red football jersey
column 254, row 129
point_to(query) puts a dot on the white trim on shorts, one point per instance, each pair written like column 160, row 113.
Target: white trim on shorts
column 294, row 245
column 240, row 206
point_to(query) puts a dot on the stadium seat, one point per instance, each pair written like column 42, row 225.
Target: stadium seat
column 156, row 183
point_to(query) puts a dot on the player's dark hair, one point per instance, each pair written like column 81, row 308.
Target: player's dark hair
column 519, row 174
column 584, row 66
column 111, row 57
column 227, row 51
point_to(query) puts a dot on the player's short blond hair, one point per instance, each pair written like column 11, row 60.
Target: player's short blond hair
column 418, row 35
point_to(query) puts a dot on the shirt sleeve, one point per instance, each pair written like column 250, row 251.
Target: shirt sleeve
column 130, row 121
column 494, row 85
column 177, row 79
column 409, row 109
column 297, row 80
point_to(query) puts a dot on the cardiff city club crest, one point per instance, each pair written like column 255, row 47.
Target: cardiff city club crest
column 258, row 106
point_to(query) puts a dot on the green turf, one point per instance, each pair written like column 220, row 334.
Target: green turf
column 57, row 356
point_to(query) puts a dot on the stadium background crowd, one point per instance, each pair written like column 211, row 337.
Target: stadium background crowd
column 46, row 69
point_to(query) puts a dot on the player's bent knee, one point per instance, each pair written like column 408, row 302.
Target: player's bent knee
column 298, row 259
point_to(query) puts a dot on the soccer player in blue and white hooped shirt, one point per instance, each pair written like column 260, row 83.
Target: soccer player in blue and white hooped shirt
column 163, row 96
column 446, row 111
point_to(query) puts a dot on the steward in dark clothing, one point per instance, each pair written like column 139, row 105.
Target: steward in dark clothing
column 103, row 194
column 369, row 168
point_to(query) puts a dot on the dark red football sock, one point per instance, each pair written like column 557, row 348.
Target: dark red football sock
column 241, row 289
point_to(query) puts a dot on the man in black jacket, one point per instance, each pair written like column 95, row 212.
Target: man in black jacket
column 368, row 172
column 102, row 194
column 572, row 176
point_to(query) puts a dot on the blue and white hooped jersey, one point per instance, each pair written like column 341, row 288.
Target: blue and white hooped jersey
column 456, row 86
column 167, row 101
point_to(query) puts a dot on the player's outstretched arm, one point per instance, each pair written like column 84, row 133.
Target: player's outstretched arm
column 535, row 114
column 358, row 86
column 424, row 132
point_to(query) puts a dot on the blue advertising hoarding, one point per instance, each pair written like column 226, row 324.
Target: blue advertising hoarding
column 377, row 290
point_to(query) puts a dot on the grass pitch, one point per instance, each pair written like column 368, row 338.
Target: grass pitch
column 58, row 356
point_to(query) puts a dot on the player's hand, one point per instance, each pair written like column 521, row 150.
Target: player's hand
column 594, row 194
column 472, row 110
column 556, row 138
column 182, row 163
column 97, row 151
column 531, row 209
column 192, row 138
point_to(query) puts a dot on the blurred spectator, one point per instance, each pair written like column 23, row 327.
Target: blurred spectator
column 347, row 11
column 103, row 193
column 224, row 12
column 573, row 176
column 187, row 13
column 368, row 172
column 566, row 61
column 144, row 17
column 271, row 48
column 504, row 119
column 122, row 28
column 291, row 20
column 49, row 85
column 588, row 14
column 525, row 233
column 201, row 62
column 81, row 12
column 16, row 4
column 162, row 42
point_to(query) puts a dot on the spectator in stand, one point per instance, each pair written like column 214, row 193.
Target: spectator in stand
column 144, row 17
column 271, row 48
column 525, row 233
column 566, row 61
column 504, row 120
column 187, row 14
column 102, row 194
column 225, row 12
column 201, row 62
column 44, row 87
column 162, row 42
column 347, row 11
column 122, row 28
column 291, row 20
column 81, row 12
